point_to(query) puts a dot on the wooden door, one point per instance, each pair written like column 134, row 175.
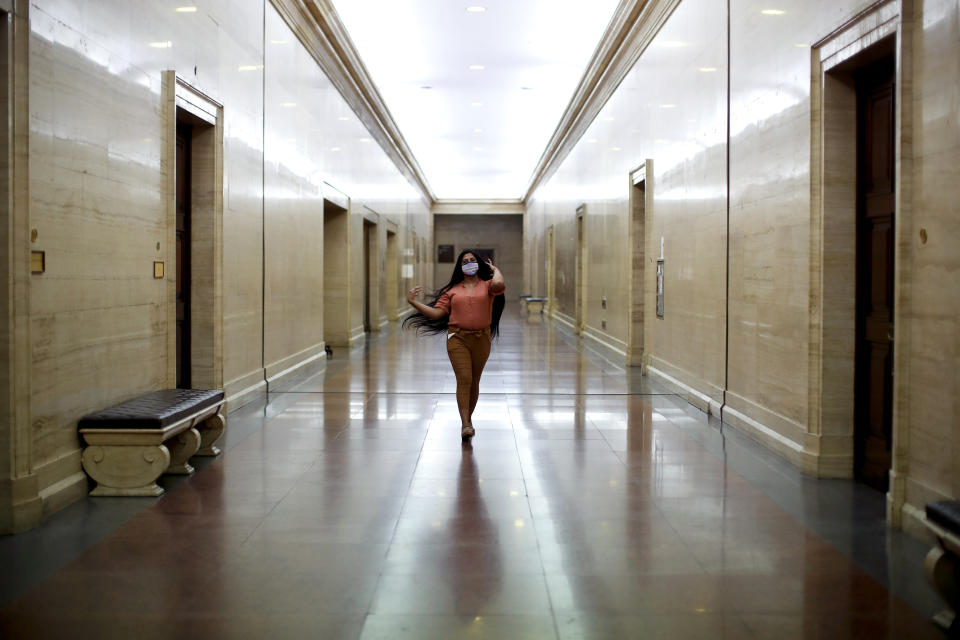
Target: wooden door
column 579, row 312
column 183, row 254
column 873, row 386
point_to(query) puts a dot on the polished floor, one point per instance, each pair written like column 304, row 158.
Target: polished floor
column 591, row 504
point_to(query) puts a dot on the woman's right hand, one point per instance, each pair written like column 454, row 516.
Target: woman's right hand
column 413, row 293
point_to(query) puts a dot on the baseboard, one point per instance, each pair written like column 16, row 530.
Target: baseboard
column 22, row 508
column 564, row 319
column 299, row 370
column 615, row 345
column 691, row 394
column 245, row 389
column 914, row 522
column 356, row 334
column 283, row 371
column 63, row 493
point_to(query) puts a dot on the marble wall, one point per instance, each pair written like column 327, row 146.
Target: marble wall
column 98, row 198
column 739, row 215
column 501, row 232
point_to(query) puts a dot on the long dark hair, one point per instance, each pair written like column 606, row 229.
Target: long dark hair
column 425, row 325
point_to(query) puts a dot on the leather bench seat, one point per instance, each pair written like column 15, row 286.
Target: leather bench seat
column 945, row 513
column 154, row 410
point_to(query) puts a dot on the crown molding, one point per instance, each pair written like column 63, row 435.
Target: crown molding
column 448, row 206
column 634, row 25
column 318, row 27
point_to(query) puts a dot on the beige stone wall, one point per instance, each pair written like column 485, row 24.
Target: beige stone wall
column 98, row 197
column 927, row 446
column 503, row 233
column 670, row 111
column 672, row 108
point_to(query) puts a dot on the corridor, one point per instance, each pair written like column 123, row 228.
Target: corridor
column 591, row 504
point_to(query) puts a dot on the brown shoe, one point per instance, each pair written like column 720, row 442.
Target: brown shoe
column 467, row 432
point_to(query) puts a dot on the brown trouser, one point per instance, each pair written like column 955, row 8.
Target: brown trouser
column 468, row 351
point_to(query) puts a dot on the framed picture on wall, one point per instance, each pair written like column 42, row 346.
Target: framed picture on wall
column 445, row 253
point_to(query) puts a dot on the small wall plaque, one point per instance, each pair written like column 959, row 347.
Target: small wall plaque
column 38, row 261
column 445, row 253
column 157, row 270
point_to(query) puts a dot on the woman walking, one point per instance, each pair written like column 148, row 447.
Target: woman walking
column 468, row 310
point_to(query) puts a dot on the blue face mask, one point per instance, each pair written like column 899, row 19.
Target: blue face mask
column 470, row 268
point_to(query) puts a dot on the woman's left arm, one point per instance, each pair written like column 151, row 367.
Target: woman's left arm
column 497, row 285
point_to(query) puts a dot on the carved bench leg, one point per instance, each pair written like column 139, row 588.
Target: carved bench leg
column 182, row 447
column 941, row 568
column 125, row 470
column 210, row 431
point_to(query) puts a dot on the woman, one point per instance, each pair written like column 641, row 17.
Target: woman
column 468, row 310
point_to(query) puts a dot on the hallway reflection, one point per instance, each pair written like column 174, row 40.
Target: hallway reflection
column 592, row 503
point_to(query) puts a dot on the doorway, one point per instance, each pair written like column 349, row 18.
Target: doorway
column 193, row 250
column 183, row 198
column 873, row 378
column 551, row 268
column 336, row 261
column 580, row 285
column 392, row 277
column 369, row 261
column 637, row 239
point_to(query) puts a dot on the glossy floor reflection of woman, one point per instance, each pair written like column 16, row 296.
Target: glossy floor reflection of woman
column 468, row 310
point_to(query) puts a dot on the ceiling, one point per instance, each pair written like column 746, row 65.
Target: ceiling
column 477, row 133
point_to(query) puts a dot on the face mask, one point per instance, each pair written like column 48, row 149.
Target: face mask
column 470, row 268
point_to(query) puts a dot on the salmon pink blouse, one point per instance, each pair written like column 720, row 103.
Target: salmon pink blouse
column 469, row 310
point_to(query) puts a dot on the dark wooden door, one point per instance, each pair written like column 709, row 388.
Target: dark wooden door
column 873, row 394
column 367, row 259
column 183, row 255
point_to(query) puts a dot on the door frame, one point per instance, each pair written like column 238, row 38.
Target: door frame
column 181, row 100
column 580, row 272
column 830, row 438
column 640, row 203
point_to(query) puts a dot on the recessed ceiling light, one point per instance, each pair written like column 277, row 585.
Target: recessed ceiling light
column 248, row 67
column 478, row 148
column 334, row 149
column 667, row 106
column 288, row 104
column 476, row 67
column 476, row 104
column 801, row 45
column 366, row 139
column 161, row 45
column 478, row 130
column 708, row 69
column 592, row 140
column 608, row 119
column 186, row 9
column 615, row 149
column 673, row 44
column 773, row 12
column 476, row 9
column 343, row 118
column 279, row 42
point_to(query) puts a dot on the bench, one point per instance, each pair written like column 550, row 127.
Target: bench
column 532, row 303
column 942, row 563
column 131, row 444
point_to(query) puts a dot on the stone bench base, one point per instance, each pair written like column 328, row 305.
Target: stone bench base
column 942, row 566
column 127, row 462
